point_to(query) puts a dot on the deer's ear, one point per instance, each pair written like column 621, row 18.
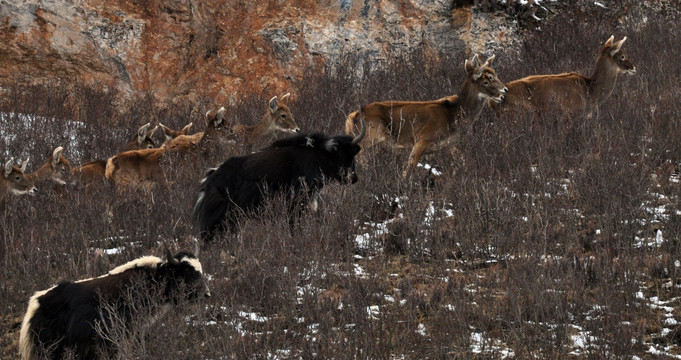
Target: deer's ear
column 284, row 99
column 8, row 168
column 219, row 117
column 472, row 64
column 608, row 43
column 166, row 132
column 152, row 131
column 23, row 165
column 56, row 155
column 616, row 47
column 274, row 105
column 142, row 132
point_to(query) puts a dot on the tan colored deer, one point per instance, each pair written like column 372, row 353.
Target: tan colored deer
column 430, row 125
column 277, row 118
column 145, row 168
column 570, row 93
column 92, row 173
column 143, row 138
column 57, row 170
column 14, row 181
column 171, row 134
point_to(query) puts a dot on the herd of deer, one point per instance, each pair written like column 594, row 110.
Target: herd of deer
column 419, row 125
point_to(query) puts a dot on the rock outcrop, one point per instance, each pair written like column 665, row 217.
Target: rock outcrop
column 183, row 49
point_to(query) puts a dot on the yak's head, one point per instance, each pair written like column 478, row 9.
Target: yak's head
column 185, row 277
column 343, row 149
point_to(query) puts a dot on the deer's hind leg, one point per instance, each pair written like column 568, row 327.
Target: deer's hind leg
column 416, row 152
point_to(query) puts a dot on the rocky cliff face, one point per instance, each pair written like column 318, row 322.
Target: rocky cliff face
column 224, row 49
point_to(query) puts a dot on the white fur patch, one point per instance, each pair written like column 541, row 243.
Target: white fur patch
column 309, row 142
column 199, row 199
column 331, row 145
column 19, row 192
column 25, row 343
column 194, row 263
column 150, row 261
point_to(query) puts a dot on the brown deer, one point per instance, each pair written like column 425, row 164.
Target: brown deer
column 57, row 170
column 14, row 181
column 570, row 93
column 277, row 118
column 420, row 125
column 92, row 173
column 145, row 168
column 143, row 138
column 170, row 134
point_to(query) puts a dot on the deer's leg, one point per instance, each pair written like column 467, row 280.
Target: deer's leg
column 419, row 148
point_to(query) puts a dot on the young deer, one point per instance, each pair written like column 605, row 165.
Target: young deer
column 570, row 93
column 430, row 125
column 57, row 170
column 14, row 181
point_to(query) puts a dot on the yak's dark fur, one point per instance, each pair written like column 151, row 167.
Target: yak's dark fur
column 67, row 315
column 295, row 166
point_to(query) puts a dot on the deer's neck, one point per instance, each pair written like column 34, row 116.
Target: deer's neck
column 42, row 174
column 263, row 128
column 207, row 139
column 471, row 102
column 602, row 81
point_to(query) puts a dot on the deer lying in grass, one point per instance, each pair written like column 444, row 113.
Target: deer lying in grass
column 430, row 125
column 277, row 118
column 145, row 168
column 14, row 181
column 570, row 93
column 57, row 170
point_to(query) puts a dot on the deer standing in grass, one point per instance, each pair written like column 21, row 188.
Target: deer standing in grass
column 277, row 118
column 14, row 181
column 171, row 134
column 570, row 93
column 145, row 168
column 92, row 173
column 430, row 125
column 143, row 138
column 57, row 170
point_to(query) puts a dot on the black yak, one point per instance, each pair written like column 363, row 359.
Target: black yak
column 295, row 166
column 78, row 316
